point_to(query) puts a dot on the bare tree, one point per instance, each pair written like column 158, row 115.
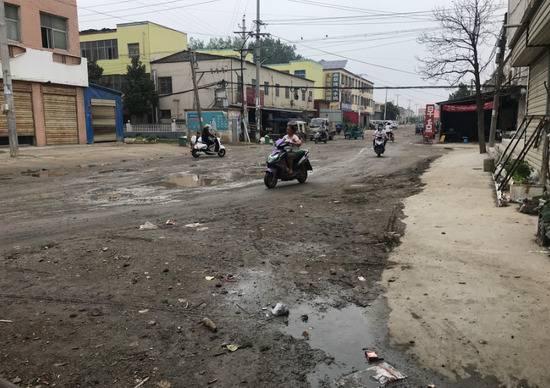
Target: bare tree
column 456, row 49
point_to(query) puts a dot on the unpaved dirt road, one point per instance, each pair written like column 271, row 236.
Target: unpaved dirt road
column 90, row 300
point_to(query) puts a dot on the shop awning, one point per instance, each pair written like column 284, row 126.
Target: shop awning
column 466, row 108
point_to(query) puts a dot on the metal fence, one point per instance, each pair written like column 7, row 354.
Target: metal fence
column 155, row 128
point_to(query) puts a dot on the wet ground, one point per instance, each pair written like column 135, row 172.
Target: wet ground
column 88, row 299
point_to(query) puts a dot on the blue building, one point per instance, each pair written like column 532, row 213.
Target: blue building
column 104, row 114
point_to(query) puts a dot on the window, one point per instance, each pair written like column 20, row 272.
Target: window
column 54, row 31
column 300, row 73
column 99, row 49
column 303, row 94
column 266, row 88
column 253, row 82
column 165, row 114
column 12, row 22
column 133, row 50
column 165, row 85
column 310, row 97
column 277, row 91
column 287, row 92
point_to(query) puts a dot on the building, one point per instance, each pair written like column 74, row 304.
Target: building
column 49, row 76
column 348, row 93
column 283, row 96
column 113, row 49
column 529, row 45
column 307, row 69
column 228, row 53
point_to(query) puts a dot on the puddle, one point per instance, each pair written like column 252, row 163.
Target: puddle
column 189, row 180
column 341, row 334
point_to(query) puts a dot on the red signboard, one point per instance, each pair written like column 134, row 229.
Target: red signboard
column 467, row 108
column 429, row 122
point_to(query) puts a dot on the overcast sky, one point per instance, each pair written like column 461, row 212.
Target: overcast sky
column 367, row 39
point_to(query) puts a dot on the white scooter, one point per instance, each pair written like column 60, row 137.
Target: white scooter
column 200, row 147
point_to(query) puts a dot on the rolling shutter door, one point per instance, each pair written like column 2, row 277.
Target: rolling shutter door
column 104, row 120
column 60, row 117
column 24, row 117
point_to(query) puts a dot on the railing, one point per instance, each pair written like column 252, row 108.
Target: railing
column 155, row 128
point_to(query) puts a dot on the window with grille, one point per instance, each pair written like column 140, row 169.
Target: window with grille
column 165, row 85
column 54, row 31
column 99, row 49
column 133, row 50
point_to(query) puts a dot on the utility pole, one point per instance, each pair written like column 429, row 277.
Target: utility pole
column 498, row 84
column 193, row 62
column 9, row 107
column 386, row 105
column 243, row 33
column 398, row 113
column 258, row 70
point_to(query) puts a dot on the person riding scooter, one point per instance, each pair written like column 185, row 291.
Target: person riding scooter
column 208, row 138
column 380, row 132
column 292, row 139
column 389, row 131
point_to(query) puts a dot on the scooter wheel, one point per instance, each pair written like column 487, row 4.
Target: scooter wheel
column 221, row 153
column 302, row 176
column 195, row 154
column 270, row 180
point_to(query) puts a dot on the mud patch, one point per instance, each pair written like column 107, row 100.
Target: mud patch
column 190, row 180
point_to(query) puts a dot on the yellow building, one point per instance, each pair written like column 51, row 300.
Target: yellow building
column 113, row 49
column 306, row 69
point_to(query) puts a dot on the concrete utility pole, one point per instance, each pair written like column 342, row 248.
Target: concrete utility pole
column 244, row 113
column 498, row 84
column 386, row 105
column 258, row 70
column 398, row 113
column 8, row 108
column 193, row 62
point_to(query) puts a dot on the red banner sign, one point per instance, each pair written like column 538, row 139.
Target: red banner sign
column 467, row 108
column 429, row 122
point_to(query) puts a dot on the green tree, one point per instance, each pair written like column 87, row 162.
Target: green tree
column 463, row 91
column 272, row 50
column 392, row 112
column 94, row 72
column 139, row 94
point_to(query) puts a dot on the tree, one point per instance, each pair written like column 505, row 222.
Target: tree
column 456, row 50
column 392, row 112
column 272, row 50
column 94, row 72
column 463, row 91
column 139, row 93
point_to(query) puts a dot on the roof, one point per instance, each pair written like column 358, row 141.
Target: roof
column 333, row 65
column 140, row 23
column 485, row 96
column 184, row 56
column 109, row 90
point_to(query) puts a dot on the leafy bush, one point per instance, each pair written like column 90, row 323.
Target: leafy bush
column 522, row 173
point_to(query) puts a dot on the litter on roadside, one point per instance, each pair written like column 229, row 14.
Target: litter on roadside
column 144, row 311
column 362, row 279
column 148, row 226
column 230, row 278
column 372, row 356
column 280, row 310
column 210, row 278
column 210, row 325
column 232, row 347
column 384, row 373
column 202, row 229
column 171, row 222
column 194, row 225
column 6, row 321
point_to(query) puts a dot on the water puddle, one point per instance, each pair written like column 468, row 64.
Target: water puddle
column 342, row 334
column 189, row 180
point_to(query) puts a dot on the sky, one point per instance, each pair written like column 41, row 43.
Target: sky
column 383, row 49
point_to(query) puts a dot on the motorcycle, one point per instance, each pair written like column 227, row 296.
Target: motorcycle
column 321, row 136
column 379, row 145
column 200, row 147
column 390, row 136
column 277, row 168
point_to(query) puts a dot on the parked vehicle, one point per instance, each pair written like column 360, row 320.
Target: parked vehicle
column 277, row 169
column 198, row 147
column 302, row 129
column 354, row 133
column 320, row 135
column 419, row 128
column 379, row 144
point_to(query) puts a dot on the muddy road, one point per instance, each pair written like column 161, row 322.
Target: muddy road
column 87, row 299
